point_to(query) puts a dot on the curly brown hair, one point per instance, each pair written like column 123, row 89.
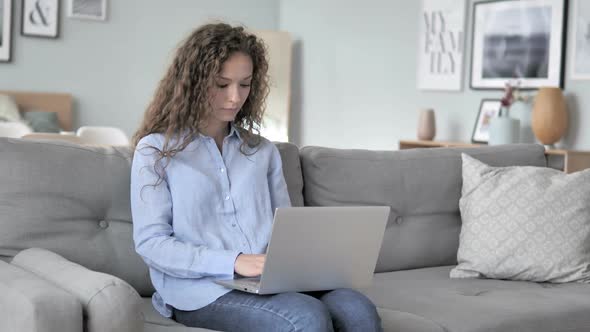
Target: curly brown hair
column 181, row 103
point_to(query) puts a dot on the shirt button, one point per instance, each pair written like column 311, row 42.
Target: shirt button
column 233, row 225
column 227, row 198
column 222, row 170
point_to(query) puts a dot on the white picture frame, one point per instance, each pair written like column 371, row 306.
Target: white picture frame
column 518, row 39
column 40, row 18
column 87, row 9
column 5, row 30
column 441, row 45
column 580, row 54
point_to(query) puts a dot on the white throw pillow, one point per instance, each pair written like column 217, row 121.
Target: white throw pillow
column 524, row 223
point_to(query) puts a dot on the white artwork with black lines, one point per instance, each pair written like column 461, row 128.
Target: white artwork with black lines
column 441, row 45
column 40, row 18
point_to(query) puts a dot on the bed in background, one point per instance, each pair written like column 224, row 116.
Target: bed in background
column 60, row 103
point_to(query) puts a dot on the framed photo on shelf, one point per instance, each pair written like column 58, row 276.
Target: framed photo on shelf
column 5, row 30
column 580, row 57
column 40, row 18
column 520, row 40
column 88, row 9
column 488, row 109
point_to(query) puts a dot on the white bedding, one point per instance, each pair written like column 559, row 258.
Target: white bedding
column 15, row 129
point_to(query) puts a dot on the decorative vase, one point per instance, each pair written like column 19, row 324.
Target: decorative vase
column 504, row 129
column 523, row 112
column 549, row 120
column 426, row 125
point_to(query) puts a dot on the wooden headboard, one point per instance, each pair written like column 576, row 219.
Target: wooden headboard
column 60, row 103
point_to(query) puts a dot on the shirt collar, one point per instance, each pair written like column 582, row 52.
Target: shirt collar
column 234, row 131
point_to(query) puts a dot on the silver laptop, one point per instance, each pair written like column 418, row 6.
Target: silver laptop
column 319, row 248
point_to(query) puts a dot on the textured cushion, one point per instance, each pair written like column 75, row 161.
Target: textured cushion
column 110, row 304
column 8, row 109
column 428, row 300
column 524, row 223
column 32, row 304
column 422, row 186
column 43, row 122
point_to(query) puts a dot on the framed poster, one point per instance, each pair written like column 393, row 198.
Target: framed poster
column 441, row 45
column 580, row 58
column 5, row 30
column 88, row 9
column 40, row 18
column 518, row 39
column 488, row 109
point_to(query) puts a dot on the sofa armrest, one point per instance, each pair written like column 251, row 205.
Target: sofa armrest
column 109, row 303
column 29, row 303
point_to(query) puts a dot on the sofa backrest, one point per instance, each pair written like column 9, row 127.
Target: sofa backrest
column 422, row 187
column 74, row 201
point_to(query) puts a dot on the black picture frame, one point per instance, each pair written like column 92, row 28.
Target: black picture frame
column 518, row 40
column 40, row 20
column 6, row 41
column 488, row 108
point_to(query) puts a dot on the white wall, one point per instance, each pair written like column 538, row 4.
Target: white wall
column 354, row 73
column 112, row 68
column 355, row 78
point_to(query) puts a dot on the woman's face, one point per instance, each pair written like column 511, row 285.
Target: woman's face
column 231, row 87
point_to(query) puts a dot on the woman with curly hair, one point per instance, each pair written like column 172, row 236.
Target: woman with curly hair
column 204, row 186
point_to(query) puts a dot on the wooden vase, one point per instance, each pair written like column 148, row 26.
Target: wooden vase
column 549, row 119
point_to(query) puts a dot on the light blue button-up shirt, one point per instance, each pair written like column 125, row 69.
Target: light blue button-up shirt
column 210, row 207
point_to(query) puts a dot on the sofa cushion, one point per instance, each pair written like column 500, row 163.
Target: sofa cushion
column 109, row 303
column 292, row 172
column 422, row 187
column 420, row 300
column 524, row 223
column 32, row 304
column 72, row 200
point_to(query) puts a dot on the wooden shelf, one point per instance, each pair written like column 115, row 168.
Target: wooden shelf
column 568, row 161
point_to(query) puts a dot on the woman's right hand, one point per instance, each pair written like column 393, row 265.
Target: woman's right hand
column 249, row 265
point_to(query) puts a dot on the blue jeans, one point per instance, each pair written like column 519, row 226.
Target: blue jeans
column 339, row 310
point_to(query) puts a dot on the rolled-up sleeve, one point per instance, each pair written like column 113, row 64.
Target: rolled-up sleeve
column 151, row 207
column 279, row 194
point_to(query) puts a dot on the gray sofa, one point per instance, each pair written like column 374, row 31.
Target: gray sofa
column 72, row 204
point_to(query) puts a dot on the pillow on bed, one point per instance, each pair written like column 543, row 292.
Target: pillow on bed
column 14, row 129
column 8, row 109
column 44, row 122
